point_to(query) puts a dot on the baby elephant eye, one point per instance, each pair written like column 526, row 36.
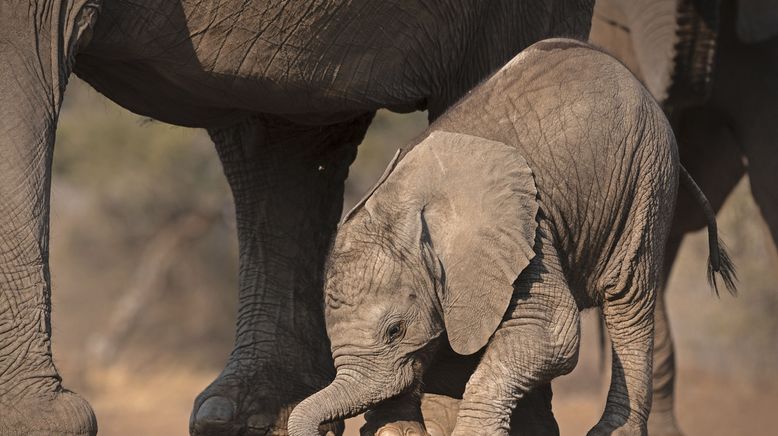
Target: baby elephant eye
column 394, row 331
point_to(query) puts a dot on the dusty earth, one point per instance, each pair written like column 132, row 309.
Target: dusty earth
column 709, row 403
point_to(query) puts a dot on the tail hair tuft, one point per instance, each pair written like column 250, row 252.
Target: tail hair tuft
column 720, row 264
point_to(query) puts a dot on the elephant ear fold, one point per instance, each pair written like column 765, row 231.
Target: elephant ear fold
column 757, row 20
column 479, row 207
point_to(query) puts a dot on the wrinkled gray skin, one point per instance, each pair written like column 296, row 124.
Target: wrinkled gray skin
column 547, row 190
column 286, row 90
column 717, row 78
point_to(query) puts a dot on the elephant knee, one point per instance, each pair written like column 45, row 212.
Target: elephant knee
column 566, row 331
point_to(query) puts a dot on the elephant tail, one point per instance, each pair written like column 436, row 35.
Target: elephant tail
column 719, row 262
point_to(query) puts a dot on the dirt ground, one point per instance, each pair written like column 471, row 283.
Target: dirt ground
column 709, row 403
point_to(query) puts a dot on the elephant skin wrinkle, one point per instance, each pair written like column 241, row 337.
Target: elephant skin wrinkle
column 547, row 190
column 286, row 91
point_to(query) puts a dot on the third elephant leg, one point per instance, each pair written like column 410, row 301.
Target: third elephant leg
column 710, row 153
column 746, row 88
column 287, row 181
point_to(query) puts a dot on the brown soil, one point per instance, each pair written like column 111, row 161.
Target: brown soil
column 709, row 403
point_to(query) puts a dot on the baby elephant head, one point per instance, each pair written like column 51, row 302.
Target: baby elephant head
column 436, row 245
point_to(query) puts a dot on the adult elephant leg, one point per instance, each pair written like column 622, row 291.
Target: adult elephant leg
column 710, row 153
column 709, row 150
column 750, row 92
column 287, row 181
column 37, row 42
column 762, row 156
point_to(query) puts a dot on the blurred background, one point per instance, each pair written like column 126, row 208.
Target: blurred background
column 144, row 268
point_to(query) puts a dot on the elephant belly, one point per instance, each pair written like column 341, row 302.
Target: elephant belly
column 329, row 57
column 176, row 99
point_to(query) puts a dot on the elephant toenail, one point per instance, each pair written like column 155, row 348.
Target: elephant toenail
column 260, row 422
column 389, row 431
column 215, row 409
column 434, row 429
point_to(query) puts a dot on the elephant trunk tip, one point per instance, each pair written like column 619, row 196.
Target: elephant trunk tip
column 301, row 423
column 340, row 400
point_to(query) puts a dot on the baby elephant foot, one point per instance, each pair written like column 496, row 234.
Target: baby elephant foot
column 398, row 428
column 440, row 414
column 610, row 429
column 399, row 416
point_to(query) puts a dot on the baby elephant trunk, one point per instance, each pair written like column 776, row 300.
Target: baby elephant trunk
column 343, row 398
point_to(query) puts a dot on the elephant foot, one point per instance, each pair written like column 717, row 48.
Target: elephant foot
column 440, row 414
column 398, row 428
column 663, row 424
column 397, row 417
column 604, row 428
column 237, row 404
column 62, row 413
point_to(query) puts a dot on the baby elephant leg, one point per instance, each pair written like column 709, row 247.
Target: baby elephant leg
column 532, row 416
column 629, row 318
column 399, row 416
column 536, row 342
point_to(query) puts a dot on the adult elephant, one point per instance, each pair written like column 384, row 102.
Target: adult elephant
column 714, row 66
column 286, row 90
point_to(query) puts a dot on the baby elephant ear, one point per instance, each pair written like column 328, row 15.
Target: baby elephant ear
column 479, row 207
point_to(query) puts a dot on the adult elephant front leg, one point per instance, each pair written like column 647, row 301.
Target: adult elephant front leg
column 38, row 39
column 287, row 181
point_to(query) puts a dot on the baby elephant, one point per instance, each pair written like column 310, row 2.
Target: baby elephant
column 547, row 190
